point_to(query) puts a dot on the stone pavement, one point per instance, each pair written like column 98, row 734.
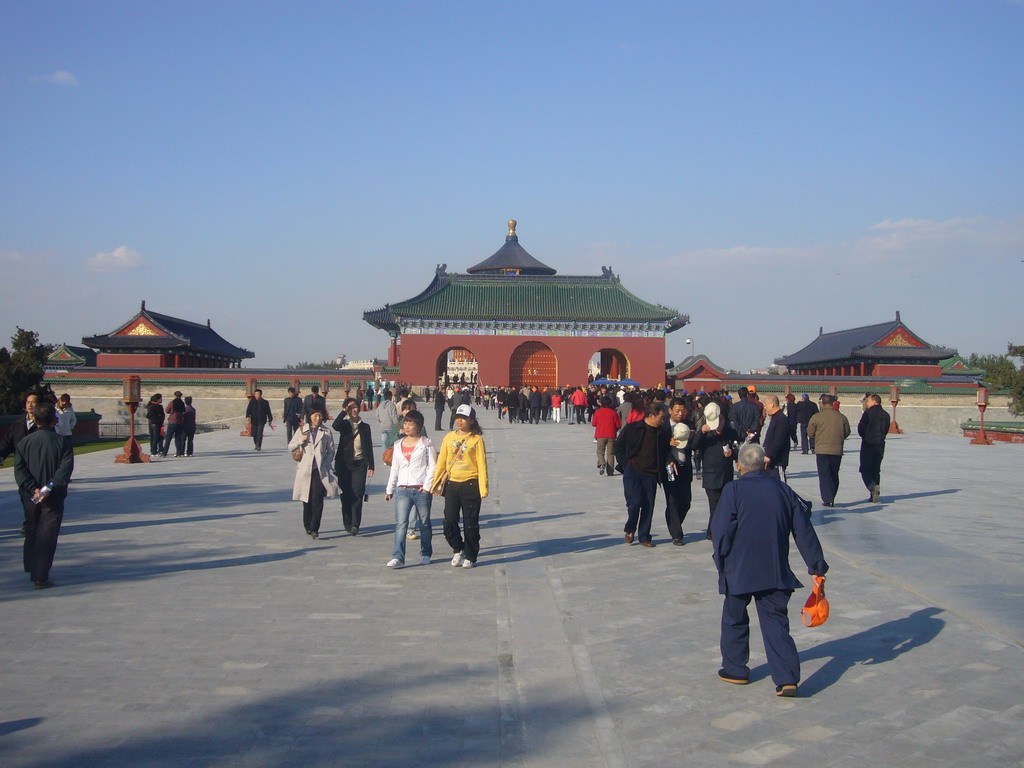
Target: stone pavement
column 196, row 625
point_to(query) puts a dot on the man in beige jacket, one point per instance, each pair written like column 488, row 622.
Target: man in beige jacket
column 828, row 428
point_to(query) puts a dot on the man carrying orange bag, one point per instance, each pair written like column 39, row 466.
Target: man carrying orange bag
column 750, row 533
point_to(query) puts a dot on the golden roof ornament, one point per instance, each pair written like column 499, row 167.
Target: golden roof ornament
column 512, row 227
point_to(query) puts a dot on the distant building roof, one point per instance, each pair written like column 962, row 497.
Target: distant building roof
column 885, row 341
column 149, row 330
column 68, row 356
column 525, row 298
column 511, row 258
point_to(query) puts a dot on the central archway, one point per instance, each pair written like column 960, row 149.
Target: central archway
column 611, row 363
column 455, row 365
column 533, row 364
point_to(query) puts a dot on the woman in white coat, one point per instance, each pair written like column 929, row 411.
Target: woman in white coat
column 314, row 475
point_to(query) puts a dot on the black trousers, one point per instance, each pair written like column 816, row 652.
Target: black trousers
column 678, row 496
column 871, row 464
column 805, row 444
column 155, row 442
column 640, row 491
column 353, row 486
column 772, row 614
column 190, row 441
column 257, row 434
column 714, row 494
column 463, row 499
column 42, row 526
column 438, row 413
column 535, row 414
column 313, row 510
column 828, row 476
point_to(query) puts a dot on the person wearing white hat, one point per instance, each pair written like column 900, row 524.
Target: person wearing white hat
column 717, row 442
column 463, row 459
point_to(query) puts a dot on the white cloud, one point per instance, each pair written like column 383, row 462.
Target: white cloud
column 121, row 259
column 61, row 77
column 920, row 240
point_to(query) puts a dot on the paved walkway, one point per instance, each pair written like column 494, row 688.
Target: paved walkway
column 196, row 625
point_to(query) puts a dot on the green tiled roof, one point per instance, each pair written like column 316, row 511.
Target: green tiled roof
column 527, row 299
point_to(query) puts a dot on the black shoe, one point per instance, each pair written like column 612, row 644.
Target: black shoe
column 353, row 530
column 42, row 584
column 804, row 452
column 788, row 690
column 828, row 503
column 677, row 542
column 314, row 535
column 725, row 676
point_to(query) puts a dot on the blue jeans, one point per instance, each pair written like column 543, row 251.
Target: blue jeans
column 407, row 500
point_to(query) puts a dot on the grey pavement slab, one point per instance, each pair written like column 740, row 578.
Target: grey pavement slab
column 194, row 624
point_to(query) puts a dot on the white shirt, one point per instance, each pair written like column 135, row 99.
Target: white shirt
column 418, row 469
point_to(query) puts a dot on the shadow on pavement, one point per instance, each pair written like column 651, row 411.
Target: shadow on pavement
column 342, row 722
column 877, row 645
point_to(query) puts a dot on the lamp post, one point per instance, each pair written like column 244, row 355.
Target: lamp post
column 690, row 342
column 250, row 393
column 894, row 398
column 982, row 438
column 131, row 396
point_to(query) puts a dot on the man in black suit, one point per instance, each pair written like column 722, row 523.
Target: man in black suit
column 750, row 534
column 43, row 463
column 353, row 463
column 19, row 429
column 259, row 415
column 804, row 410
column 776, row 439
column 873, row 427
column 293, row 413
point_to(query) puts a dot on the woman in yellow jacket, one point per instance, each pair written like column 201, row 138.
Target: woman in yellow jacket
column 463, row 455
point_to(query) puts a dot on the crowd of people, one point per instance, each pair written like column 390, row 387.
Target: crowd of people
column 738, row 447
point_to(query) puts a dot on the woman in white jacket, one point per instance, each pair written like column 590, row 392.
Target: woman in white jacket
column 314, row 475
column 412, row 470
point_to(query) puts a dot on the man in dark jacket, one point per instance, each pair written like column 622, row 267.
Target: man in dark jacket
column 438, row 408
column 804, row 410
column 155, row 419
column 293, row 410
column 259, row 415
column 746, row 417
column 873, row 427
column 750, row 534
column 776, row 439
column 43, row 460
column 353, row 463
column 641, row 451
column 19, row 429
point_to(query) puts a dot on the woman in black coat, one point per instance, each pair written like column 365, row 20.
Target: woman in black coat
column 717, row 443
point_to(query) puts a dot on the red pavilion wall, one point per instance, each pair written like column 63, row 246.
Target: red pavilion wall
column 419, row 355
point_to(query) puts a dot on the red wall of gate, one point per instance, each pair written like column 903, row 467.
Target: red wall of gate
column 419, row 355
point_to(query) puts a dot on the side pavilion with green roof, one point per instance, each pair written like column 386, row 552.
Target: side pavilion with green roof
column 524, row 324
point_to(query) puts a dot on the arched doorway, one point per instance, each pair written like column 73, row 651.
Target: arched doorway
column 611, row 364
column 456, row 365
column 533, row 364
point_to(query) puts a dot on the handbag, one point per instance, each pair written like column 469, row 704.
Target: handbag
column 389, row 455
column 297, row 454
column 815, row 611
column 438, row 486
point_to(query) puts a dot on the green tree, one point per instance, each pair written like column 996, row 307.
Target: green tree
column 999, row 369
column 1016, row 385
column 21, row 370
column 326, row 365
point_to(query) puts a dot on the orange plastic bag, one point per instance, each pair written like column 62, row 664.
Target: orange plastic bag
column 815, row 612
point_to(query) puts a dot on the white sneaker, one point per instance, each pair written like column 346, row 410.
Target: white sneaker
column 425, row 560
column 467, row 563
column 458, row 559
column 395, row 563
column 412, row 536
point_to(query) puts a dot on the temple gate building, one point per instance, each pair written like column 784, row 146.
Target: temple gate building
column 526, row 325
column 152, row 340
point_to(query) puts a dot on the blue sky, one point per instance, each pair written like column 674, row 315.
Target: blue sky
column 280, row 167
